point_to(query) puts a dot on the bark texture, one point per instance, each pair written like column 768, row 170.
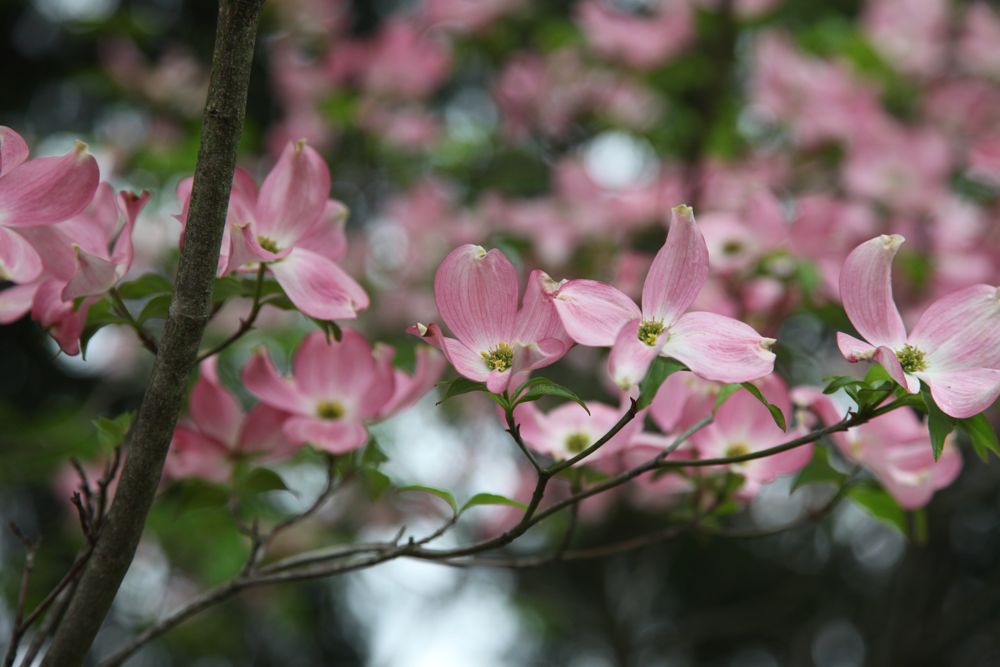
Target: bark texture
column 222, row 125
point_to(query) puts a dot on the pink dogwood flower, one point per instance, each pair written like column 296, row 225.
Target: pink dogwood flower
column 336, row 388
column 895, row 447
column 568, row 429
column 295, row 229
column 495, row 342
column 954, row 347
column 37, row 192
column 715, row 347
column 218, row 433
column 742, row 426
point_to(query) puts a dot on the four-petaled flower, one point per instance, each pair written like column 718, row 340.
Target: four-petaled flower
column 954, row 348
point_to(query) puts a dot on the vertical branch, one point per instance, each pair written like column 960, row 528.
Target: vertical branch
column 189, row 311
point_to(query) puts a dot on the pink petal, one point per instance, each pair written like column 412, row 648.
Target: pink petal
column 961, row 330
column 890, row 362
column 318, row 287
column 499, row 381
column 538, row 319
column 13, row 149
column 47, row 190
column 594, row 312
column 131, row 205
column 262, row 380
column 263, row 433
column 19, row 261
column 466, row 361
column 94, row 275
column 854, row 349
column 15, row 302
column 866, row 291
column 630, row 357
column 963, row 393
column 214, row 410
column 293, row 196
column 336, row 437
column 194, row 455
column 476, row 294
column 678, row 271
column 719, row 348
column 408, row 389
column 334, row 370
column 327, row 236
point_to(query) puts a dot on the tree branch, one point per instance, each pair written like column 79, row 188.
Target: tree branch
column 178, row 348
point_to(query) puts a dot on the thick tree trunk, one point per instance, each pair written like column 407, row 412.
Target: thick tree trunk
column 178, row 349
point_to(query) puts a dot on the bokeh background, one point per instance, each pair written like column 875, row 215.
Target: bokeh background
column 561, row 132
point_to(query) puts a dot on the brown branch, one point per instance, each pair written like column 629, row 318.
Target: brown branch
column 178, row 348
column 17, row 631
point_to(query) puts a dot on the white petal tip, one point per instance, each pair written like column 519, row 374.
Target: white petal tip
column 892, row 241
column 80, row 148
column 767, row 343
column 683, row 212
column 421, row 328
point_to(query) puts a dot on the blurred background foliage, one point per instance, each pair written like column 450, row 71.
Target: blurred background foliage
column 127, row 76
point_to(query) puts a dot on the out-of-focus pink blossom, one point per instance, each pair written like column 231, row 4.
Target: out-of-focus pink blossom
column 495, row 342
column 978, row 48
column 895, row 447
column 568, row 429
column 218, row 433
column 910, row 34
column 636, row 40
column 466, row 16
column 713, row 346
column 954, row 347
column 336, row 388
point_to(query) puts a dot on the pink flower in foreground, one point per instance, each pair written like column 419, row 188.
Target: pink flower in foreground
column 954, row 348
column 335, row 388
column 742, row 426
column 567, row 430
column 293, row 227
column 218, row 433
column 37, row 192
column 495, row 342
column 895, row 447
column 713, row 346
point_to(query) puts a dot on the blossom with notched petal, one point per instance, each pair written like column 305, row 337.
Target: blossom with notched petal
column 567, row 430
column 954, row 348
column 495, row 342
column 336, row 387
column 713, row 346
column 291, row 225
column 37, row 192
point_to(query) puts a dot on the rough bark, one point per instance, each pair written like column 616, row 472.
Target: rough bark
column 189, row 312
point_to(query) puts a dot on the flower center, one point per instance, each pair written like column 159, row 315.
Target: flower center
column 268, row 244
column 732, row 247
column 737, row 449
column 649, row 331
column 329, row 410
column 499, row 358
column 577, row 442
column 911, row 359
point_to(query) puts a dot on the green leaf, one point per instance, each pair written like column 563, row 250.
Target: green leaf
column 111, row 432
column 876, row 375
column 145, row 285
column 880, row 505
column 376, row 482
column 224, row 289
column 725, row 391
column 660, row 370
column 372, row 455
column 157, row 307
column 530, row 383
column 549, row 388
column 938, row 423
column 491, row 499
column 981, row 435
column 776, row 414
column 460, row 386
column 837, row 382
column 329, row 328
column 446, row 496
column 260, row 480
column 196, row 494
column 818, row 470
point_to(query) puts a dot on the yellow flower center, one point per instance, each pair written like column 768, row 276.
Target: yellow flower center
column 649, row 331
column 911, row 359
column 732, row 247
column 737, row 449
column 577, row 442
column 329, row 410
column 268, row 244
column 499, row 358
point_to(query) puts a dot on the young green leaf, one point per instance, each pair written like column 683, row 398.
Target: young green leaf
column 260, row 480
column 725, row 391
column 372, row 455
column 157, row 307
column 375, row 481
column 491, row 499
column 981, row 435
column 776, row 414
column 549, row 388
column 446, row 496
column 660, row 370
column 111, row 432
column 145, row 285
column 938, row 423
column 818, row 470
column 460, row 386
column 837, row 382
column 880, row 505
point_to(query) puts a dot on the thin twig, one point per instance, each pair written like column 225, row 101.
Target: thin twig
column 245, row 324
column 146, row 338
